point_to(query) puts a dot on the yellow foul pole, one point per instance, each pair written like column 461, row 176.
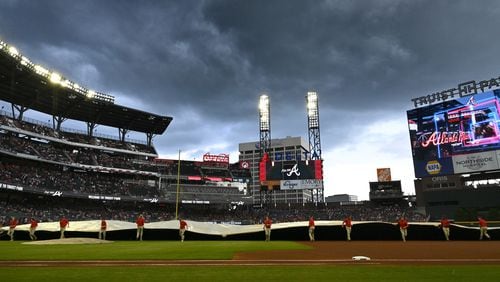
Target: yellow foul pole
column 178, row 186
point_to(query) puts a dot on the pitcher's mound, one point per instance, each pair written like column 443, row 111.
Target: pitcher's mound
column 67, row 241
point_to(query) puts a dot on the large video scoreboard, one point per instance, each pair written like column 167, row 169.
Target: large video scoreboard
column 290, row 175
column 457, row 136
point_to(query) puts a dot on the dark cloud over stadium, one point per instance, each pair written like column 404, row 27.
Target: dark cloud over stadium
column 205, row 63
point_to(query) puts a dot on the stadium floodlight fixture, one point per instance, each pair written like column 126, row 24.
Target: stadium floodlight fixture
column 90, row 93
column 77, row 88
column 68, row 84
column 264, row 112
column 41, row 70
column 312, row 103
column 25, row 61
column 264, row 103
column 13, row 51
column 55, row 78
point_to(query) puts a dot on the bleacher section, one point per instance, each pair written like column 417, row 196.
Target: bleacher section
column 84, row 167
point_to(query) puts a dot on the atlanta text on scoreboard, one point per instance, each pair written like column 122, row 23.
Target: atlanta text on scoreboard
column 463, row 89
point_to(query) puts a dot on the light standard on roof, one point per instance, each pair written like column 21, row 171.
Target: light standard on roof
column 264, row 123
column 312, row 105
column 265, row 132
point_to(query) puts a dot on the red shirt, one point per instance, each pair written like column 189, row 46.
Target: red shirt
column 311, row 222
column 445, row 222
column 140, row 221
column 34, row 223
column 13, row 223
column 347, row 222
column 182, row 224
column 403, row 223
column 63, row 222
column 483, row 223
column 103, row 224
column 267, row 223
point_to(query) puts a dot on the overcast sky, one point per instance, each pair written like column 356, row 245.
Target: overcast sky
column 205, row 63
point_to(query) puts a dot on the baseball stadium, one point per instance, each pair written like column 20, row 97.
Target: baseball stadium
column 83, row 206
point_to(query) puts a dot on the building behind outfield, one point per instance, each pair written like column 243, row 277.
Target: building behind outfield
column 284, row 149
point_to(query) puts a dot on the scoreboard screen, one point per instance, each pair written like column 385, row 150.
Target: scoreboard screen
column 288, row 170
column 458, row 136
column 291, row 175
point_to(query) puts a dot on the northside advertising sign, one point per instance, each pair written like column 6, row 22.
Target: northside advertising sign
column 458, row 136
column 476, row 162
column 463, row 89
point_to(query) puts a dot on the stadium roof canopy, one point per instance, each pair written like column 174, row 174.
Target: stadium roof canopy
column 21, row 83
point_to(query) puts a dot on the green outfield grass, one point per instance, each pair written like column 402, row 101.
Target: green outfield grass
column 165, row 250
column 134, row 250
column 350, row 273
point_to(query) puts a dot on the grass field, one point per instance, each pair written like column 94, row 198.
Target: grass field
column 133, row 250
column 256, row 273
column 218, row 250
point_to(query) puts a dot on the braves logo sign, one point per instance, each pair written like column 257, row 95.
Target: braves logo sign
column 290, row 171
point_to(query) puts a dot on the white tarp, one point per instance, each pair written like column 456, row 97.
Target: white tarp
column 194, row 226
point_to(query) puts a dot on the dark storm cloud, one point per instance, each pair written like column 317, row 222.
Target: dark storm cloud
column 206, row 62
column 370, row 49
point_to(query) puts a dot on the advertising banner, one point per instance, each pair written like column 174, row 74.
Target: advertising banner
column 384, row 174
column 435, row 167
column 301, row 184
column 475, row 162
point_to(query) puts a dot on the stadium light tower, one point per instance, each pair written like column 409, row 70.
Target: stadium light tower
column 313, row 125
column 265, row 134
column 264, row 123
column 314, row 134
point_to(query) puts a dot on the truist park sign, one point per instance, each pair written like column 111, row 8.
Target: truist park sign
column 463, row 89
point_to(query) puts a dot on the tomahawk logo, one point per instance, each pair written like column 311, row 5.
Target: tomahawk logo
column 471, row 101
column 295, row 169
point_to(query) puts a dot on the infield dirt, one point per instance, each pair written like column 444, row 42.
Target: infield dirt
column 436, row 252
